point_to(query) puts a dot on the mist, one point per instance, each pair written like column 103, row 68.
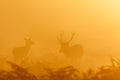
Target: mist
column 95, row 23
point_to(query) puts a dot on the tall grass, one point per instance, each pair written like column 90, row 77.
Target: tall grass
column 111, row 72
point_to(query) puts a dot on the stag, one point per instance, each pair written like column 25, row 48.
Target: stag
column 72, row 52
column 20, row 53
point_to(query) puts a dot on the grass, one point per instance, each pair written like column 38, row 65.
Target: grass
column 111, row 72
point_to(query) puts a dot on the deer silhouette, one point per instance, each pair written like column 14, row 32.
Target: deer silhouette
column 72, row 52
column 20, row 53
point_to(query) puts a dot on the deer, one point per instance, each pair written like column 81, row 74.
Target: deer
column 72, row 52
column 20, row 53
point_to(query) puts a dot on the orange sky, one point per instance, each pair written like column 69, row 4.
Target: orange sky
column 95, row 22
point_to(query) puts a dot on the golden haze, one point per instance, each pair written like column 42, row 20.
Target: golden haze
column 96, row 24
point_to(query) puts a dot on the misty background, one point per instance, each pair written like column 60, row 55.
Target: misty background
column 96, row 24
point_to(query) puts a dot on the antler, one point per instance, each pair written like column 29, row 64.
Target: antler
column 60, row 38
column 73, row 34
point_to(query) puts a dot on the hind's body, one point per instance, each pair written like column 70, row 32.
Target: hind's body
column 20, row 53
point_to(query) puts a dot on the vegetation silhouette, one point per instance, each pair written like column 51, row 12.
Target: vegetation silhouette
column 111, row 72
column 20, row 53
column 73, row 52
column 18, row 72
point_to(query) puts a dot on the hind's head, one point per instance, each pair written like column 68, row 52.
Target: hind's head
column 28, row 41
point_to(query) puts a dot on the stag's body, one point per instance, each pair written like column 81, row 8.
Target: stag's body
column 21, row 52
column 73, row 52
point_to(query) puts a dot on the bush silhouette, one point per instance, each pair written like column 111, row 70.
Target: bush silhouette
column 111, row 72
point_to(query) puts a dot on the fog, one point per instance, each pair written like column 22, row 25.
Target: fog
column 95, row 23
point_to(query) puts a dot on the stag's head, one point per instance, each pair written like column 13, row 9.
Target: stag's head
column 28, row 41
column 65, row 45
